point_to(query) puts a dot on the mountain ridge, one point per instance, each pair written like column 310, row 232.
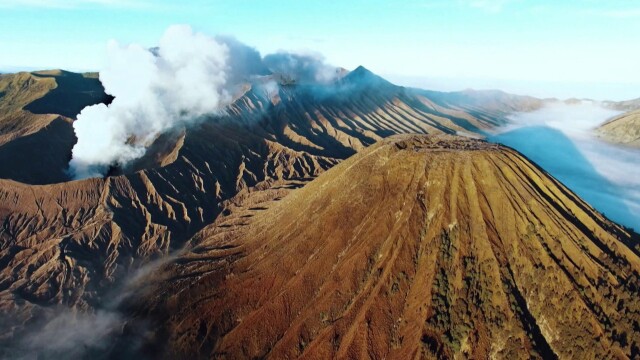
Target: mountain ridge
column 67, row 243
column 381, row 109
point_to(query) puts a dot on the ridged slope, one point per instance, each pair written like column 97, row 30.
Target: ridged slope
column 68, row 243
column 418, row 247
column 333, row 120
column 624, row 129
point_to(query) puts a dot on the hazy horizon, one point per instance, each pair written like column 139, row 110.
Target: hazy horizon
column 580, row 48
column 592, row 91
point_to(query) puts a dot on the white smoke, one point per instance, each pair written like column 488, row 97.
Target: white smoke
column 181, row 80
column 189, row 75
column 71, row 334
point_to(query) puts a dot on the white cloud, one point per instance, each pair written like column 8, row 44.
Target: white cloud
column 575, row 119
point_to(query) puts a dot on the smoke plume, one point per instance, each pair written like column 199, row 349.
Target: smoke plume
column 67, row 333
column 182, row 79
column 188, row 76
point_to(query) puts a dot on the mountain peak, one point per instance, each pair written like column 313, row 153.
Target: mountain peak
column 362, row 70
column 364, row 76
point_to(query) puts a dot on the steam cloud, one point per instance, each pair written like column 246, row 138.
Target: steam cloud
column 187, row 77
column 559, row 137
column 70, row 334
column 78, row 334
column 154, row 90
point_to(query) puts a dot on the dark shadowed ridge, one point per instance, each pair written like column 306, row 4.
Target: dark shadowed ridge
column 72, row 93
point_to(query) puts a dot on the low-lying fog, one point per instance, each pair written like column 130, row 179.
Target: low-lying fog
column 560, row 139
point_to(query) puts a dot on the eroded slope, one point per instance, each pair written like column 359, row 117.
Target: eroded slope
column 419, row 247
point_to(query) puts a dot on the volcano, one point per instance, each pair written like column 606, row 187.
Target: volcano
column 418, row 247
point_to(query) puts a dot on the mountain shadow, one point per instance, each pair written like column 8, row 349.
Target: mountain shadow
column 73, row 93
column 558, row 155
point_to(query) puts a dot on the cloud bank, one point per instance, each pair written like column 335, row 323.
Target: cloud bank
column 577, row 119
column 187, row 77
column 559, row 138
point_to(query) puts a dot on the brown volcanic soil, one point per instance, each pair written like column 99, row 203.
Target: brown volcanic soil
column 417, row 247
column 68, row 243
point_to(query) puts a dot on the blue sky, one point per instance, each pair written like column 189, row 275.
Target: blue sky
column 582, row 48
